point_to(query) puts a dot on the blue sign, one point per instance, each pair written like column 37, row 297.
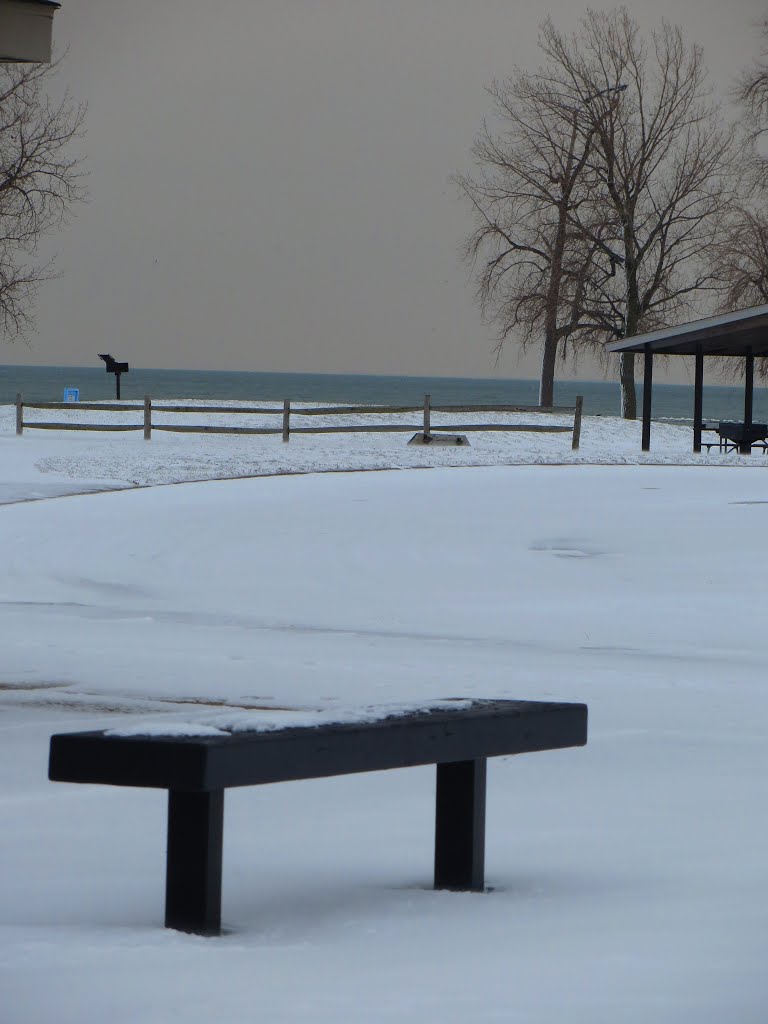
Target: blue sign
column 71, row 394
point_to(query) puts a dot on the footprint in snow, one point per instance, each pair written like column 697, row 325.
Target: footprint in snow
column 563, row 548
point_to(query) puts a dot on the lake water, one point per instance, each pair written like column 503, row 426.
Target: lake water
column 670, row 401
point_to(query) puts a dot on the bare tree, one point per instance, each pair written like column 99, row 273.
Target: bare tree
column 740, row 260
column 739, row 256
column 665, row 166
column 595, row 208
column 40, row 181
column 752, row 90
column 740, row 265
column 528, row 252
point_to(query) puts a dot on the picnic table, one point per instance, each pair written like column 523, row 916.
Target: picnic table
column 733, row 435
column 457, row 737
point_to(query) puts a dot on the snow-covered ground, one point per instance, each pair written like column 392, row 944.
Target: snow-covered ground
column 629, row 878
column 42, row 463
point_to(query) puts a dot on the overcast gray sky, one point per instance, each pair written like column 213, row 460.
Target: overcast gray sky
column 269, row 178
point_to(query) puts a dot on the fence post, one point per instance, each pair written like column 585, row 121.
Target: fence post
column 427, row 401
column 19, row 415
column 147, row 418
column 577, row 422
column 286, row 419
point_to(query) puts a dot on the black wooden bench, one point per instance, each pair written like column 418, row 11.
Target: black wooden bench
column 197, row 769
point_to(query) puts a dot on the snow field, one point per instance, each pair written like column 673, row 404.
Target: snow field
column 42, row 463
column 629, row 877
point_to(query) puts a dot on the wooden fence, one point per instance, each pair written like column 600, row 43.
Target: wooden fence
column 287, row 428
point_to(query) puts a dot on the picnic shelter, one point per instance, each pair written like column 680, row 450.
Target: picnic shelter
column 741, row 334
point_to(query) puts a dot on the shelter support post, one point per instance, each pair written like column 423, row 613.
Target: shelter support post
column 698, row 389
column 647, row 389
column 577, row 422
column 749, row 379
column 460, row 825
column 193, row 870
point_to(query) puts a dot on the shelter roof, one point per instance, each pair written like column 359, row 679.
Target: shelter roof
column 729, row 334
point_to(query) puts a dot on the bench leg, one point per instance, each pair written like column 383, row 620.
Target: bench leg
column 460, row 825
column 193, row 867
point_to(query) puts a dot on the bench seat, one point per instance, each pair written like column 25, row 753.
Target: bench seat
column 196, row 770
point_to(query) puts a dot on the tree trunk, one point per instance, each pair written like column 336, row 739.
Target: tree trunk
column 631, row 325
column 547, row 378
column 627, row 380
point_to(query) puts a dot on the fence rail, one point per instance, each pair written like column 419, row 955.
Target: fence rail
column 287, row 427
